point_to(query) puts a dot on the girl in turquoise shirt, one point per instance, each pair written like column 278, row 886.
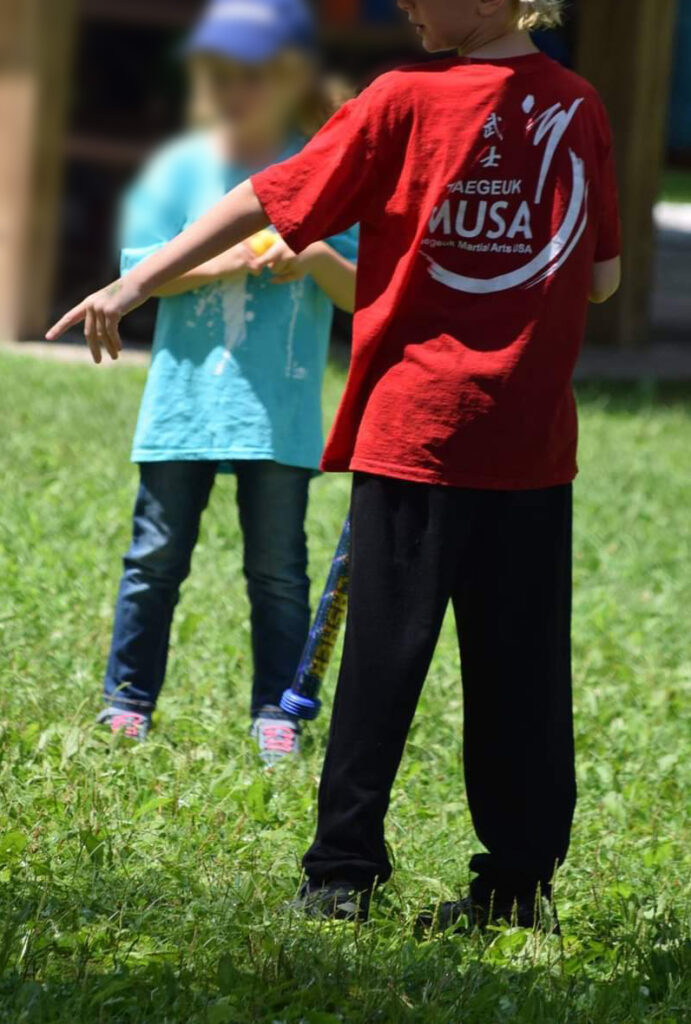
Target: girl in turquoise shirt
column 237, row 368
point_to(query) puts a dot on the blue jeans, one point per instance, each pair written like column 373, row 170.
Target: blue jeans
column 272, row 503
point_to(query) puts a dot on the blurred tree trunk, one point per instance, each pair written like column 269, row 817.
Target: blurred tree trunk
column 625, row 48
column 36, row 45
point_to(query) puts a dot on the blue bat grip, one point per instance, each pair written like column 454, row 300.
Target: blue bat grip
column 302, row 699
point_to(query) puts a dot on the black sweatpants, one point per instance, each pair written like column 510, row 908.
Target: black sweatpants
column 504, row 559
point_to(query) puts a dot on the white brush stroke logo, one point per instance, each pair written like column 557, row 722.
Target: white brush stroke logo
column 550, row 125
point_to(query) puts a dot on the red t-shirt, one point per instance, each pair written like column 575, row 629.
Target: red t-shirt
column 485, row 191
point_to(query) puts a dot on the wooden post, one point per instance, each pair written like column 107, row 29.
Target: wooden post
column 625, row 49
column 36, row 43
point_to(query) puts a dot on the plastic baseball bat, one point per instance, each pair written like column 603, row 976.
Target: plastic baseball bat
column 302, row 699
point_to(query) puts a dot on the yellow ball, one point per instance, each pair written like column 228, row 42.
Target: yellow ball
column 262, row 242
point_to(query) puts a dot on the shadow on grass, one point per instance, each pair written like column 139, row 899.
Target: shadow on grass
column 272, row 967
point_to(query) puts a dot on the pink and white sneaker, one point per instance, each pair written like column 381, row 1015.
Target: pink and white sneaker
column 132, row 724
column 276, row 735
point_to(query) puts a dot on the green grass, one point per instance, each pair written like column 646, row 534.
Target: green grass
column 151, row 884
column 676, row 185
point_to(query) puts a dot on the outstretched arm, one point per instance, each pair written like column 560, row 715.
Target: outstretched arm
column 236, row 217
column 230, row 265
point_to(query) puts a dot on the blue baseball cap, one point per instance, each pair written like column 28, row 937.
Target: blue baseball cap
column 253, row 30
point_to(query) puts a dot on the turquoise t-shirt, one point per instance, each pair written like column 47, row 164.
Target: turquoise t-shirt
column 237, row 368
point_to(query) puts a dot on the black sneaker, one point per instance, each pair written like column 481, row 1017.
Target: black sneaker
column 334, row 901
column 467, row 915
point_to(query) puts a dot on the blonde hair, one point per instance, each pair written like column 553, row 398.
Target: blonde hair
column 532, row 14
column 326, row 98
column 323, row 94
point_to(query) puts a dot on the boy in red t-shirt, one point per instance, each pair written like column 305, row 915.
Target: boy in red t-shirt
column 485, row 189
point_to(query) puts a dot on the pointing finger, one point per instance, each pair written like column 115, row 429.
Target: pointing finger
column 75, row 316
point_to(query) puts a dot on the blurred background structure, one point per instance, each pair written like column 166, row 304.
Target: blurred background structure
column 89, row 87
